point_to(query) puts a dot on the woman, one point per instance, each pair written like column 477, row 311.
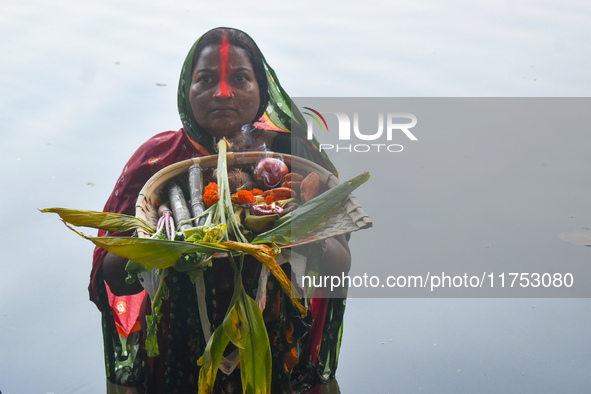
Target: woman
column 226, row 90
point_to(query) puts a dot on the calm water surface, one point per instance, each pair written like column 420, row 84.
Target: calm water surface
column 84, row 83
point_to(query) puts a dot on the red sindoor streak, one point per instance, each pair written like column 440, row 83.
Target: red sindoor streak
column 224, row 47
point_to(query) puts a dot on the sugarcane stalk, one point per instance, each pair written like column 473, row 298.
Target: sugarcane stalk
column 196, row 189
column 177, row 202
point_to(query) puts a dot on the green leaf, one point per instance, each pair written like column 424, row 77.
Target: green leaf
column 232, row 326
column 306, row 217
column 209, row 234
column 133, row 270
column 151, row 338
column 151, row 253
column 193, row 264
column 211, row 359
column 153, row 319
column 101, row 220
column 255, row 355
column 212, row 356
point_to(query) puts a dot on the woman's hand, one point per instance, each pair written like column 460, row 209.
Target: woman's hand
column 114, row 274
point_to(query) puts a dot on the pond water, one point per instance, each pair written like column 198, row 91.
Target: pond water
column 84, row 83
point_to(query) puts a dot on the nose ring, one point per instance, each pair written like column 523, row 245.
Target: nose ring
column 218, row 93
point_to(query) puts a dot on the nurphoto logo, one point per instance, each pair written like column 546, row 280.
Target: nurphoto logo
column 388, row 126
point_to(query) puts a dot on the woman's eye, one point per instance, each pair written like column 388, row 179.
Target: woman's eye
column 205, row 79
column 240, row 78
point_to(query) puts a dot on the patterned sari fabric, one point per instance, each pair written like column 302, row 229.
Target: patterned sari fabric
column 304, row 351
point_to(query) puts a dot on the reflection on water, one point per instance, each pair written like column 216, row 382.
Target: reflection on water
column 83, row 86
column 331, row 387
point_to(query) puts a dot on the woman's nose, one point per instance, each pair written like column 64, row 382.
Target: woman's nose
column 223, row 90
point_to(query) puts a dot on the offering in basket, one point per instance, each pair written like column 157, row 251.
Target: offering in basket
column 261, row 197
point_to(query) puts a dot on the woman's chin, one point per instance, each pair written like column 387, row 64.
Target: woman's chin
column 227, row 131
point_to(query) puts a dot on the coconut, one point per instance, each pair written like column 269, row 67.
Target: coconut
column 239, row 180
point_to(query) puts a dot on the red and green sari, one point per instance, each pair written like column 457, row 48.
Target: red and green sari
column 304, row 351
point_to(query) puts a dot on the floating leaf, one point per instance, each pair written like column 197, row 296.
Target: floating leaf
column 581, row 236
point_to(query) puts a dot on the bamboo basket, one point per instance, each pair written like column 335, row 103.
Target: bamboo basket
column 351, row 217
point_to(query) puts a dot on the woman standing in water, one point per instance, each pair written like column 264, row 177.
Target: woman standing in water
column 225, row 87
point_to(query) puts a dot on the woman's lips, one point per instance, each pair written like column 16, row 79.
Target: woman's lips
column 223, row 110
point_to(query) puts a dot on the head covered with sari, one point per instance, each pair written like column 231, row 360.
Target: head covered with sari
column 276, row 110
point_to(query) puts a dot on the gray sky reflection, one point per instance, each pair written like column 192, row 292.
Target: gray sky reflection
column 80, row 94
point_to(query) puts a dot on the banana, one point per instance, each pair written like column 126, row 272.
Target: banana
column 238, row 214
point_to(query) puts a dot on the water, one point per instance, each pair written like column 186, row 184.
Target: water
column 84, row 83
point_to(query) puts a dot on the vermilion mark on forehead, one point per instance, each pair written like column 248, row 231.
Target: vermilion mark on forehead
column 224, row 49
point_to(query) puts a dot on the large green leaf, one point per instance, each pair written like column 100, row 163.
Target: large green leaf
column 255, row 355
column 159, row 254
column 100, row 220
column 151, row 253
column 211, row 359
column 315, row 211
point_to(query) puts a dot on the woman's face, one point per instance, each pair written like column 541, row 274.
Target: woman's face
column 224, row 92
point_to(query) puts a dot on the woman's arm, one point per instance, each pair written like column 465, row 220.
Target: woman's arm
column 114, row 274
column 338, row 257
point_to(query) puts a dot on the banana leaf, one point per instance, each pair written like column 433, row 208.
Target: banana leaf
column 101, row 220
column 151, row 253
column 306, row 217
